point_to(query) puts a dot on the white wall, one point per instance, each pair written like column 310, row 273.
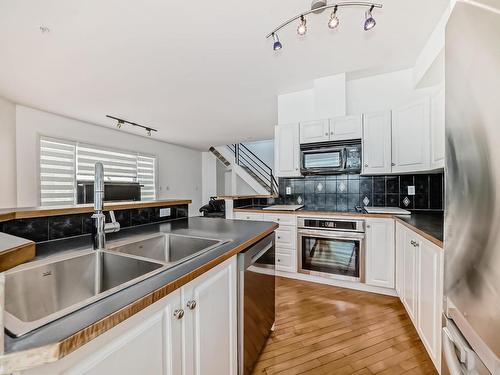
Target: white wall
column 381, row 92
column 264, row 150
column 8, row 196
column 179, row 168
column 209, row 172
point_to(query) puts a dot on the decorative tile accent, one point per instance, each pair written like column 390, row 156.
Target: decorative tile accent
column 366, row 201
column 341, row 187
column 406, row 201
column 299, row 200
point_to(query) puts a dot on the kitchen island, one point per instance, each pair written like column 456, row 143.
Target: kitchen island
column 66, row 335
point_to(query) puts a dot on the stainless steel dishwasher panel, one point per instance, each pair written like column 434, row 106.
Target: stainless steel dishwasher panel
column 256, row 301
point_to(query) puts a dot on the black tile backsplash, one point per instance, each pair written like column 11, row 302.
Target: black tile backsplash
column 345, row 192
column 62, row 226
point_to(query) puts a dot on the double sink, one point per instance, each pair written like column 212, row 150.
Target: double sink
column 42, row 291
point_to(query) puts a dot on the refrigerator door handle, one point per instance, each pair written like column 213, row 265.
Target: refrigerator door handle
column 452, row 361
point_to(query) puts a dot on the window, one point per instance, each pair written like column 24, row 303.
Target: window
column 63, row 163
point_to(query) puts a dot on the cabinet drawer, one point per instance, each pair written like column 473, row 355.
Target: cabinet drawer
column 285, row 262
column 285, row 236
column 248, row 216
column 281, row 219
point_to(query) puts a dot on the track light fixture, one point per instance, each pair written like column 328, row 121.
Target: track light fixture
column 334, row 21
column 302, row 29
column 122, row 122
column 369, row 20
column 277, row 44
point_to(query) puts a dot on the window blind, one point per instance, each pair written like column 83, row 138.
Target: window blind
column 64, row 163
column 57, row 172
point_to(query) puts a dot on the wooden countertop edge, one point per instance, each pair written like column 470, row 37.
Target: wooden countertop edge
column 17, row 255
column 312, row 213
column 25, row 213
column 427, row 236
column 50, row 353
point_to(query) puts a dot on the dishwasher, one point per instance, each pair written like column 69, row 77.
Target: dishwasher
column 256, row 301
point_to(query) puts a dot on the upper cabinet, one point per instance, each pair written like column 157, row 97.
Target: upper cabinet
column 377, row 143
column 287, row 150
column 335, row 129
column 411, row 137
column 346, row 127
column 437, row 129
column 314, row 131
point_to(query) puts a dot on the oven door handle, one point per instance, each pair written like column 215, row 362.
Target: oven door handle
column 333, row 235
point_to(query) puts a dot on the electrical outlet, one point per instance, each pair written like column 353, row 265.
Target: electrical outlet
column 165, row 212
column 411, row 190
column 288, row 190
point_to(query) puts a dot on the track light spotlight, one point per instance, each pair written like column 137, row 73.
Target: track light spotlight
column 369, row 20
column 334, row 20
column 148, row 131
column 302, row 29
column 277, row 44
column 119, row 124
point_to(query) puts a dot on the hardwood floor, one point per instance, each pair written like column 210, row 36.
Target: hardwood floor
column 322, row 329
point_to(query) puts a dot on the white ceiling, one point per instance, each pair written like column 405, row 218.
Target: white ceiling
column 201, row 72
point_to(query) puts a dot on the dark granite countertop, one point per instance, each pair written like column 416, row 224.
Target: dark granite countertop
column 238, row 234
column 430, row 222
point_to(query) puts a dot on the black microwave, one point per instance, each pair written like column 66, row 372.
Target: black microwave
column 331, row 157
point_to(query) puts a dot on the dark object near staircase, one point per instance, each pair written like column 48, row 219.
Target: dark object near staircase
column 214, row 208
column 255, row 167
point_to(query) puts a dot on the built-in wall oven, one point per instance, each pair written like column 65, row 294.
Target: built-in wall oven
column 331, row 247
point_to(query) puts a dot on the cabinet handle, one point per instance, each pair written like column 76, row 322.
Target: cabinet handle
column 368, row 226
column 326, row 133
column 178, row 313
column 279, row 238
column 331, row 133
column 279, row 260
column 191, row 304
column 393, row 164
column 278, row 219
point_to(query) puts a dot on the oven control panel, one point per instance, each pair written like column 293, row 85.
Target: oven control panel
column 332, row 224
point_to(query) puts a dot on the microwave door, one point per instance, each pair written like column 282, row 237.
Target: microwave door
column 322, row 161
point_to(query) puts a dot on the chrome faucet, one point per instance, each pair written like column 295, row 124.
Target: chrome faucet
column 101, row 227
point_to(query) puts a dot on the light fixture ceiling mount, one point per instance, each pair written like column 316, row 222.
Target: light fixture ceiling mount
column 319, row 6
column 122, row 122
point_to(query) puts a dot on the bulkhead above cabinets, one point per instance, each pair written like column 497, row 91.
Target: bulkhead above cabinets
column 406, row 139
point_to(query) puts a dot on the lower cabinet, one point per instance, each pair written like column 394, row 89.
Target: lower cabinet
column 286, row 237
column 193, row 330
column 419, row 284
column 379, row 251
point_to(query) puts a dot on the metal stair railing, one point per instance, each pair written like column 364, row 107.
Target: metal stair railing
column 246, row 159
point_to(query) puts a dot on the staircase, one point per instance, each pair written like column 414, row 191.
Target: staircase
column 249, row 167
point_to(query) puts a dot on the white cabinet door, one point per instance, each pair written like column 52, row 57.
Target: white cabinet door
column 400, row 247
column 411, row 137
column 410, row 275
column 314, row 131
column 346, row 127
column 430, row 296
column 210, row 322
column 437, row 129
column 380, row 252
column 287, row 150
column 149, row 342
column 377, row 148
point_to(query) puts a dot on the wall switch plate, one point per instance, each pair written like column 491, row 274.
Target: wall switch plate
column 288, row 190
column 165, row 212
column 411, row 190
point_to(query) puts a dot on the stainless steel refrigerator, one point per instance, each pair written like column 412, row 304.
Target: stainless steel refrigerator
column 471, row 330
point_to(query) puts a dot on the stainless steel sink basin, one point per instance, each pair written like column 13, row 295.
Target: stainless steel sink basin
column 167, row 248
column 40, row 292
